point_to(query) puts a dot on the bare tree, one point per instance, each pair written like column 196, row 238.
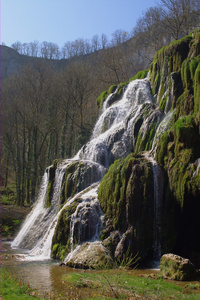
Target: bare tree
column 177, row 16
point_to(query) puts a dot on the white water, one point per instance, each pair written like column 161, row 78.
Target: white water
column 36, row 224
column 36, row 213
column 113, row 132
column 158, row 195
column 113, row 137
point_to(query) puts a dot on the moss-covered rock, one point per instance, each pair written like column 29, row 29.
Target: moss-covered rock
column 140, row 75
column 144, row 136
column 126, row 195
column 177, row 268
column 61, row 244
column 78, row 176
column 91, row 256
column 180, row 58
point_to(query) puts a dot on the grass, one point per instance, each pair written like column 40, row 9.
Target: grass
column 13, row 290
column 106, row 284
column 122, row 284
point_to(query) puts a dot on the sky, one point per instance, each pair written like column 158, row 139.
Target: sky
column 59, row 21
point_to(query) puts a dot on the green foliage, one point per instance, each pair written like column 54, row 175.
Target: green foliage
column 8, row 196
column 9, row 226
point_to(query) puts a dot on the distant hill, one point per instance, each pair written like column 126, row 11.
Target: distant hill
column 12, row 61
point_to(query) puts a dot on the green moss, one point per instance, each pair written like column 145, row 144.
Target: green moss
column 111, row 89
column 126, row 197
column 100, row 100
column 197, row 89
column 163, row 103
column 61, row 239
column 139, row 75
column 121, row 87
column 178, row 56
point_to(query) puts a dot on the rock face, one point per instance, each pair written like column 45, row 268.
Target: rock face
column 177, row 268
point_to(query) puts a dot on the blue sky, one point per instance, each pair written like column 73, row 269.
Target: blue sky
column 59, row 21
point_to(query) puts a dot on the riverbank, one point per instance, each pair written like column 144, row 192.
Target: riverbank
column 106, row 284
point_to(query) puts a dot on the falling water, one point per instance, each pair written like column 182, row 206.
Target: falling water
column 112, row 138
column 158, row 195
column 37, row 222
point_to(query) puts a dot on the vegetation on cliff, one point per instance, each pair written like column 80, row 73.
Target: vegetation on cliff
column 175, row 78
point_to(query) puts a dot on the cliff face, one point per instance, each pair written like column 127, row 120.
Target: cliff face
column 126, row 190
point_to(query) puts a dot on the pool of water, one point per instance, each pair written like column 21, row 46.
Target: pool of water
column 44, row 276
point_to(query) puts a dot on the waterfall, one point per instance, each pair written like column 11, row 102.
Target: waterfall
column 39, row 219
column 113, row 132
column 37, row 213
column 158, row 196
column 112, row 138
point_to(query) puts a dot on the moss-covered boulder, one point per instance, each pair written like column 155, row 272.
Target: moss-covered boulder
column 78, row 176
column 91, row 255
column 126, row 195
column 177, row 268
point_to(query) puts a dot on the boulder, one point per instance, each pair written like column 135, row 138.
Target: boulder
column 90, row 255
column 177, row 268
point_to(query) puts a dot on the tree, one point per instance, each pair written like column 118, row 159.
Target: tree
column 119, row 36
column 29, row 115
column 178, row 16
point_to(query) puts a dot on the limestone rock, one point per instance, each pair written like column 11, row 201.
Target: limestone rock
column 176, row 267
column 90, row 255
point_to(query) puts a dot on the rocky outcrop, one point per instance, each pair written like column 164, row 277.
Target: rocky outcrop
column 127, row 189
column 175, row 80
column 177, row 268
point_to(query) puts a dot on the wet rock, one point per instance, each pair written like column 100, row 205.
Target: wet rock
column 112, row 241
column 177, row 268
column 90, row 256
column 123, row 245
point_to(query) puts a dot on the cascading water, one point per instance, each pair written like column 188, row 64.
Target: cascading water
column 112, row 138
column 158, row 194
